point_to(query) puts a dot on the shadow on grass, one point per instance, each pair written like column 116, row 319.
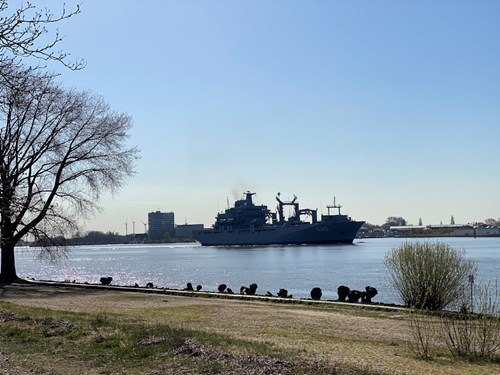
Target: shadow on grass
column 35, row 290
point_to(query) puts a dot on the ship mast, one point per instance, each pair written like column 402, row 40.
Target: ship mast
column 333, row 206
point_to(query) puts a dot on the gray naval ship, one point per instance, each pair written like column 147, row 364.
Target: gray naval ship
column 248, row 224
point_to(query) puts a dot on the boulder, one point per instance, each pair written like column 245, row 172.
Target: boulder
column 222, row 288
column 368, row 294
column 250, row 290
column 283, row 293
column 106, row 280
column 316, row 293
column 354, row 296
column 343, row 292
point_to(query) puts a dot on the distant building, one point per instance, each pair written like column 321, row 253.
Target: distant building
column 186, row 230
column 480, row 231
column 159, row 224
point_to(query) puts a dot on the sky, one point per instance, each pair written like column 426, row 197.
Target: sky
column 392, row 107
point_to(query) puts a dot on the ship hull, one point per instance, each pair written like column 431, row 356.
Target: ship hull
column 297, row 234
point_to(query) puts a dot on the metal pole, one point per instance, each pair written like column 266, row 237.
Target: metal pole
column 471, row 281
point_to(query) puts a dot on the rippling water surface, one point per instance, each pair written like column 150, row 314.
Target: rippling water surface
column 295, row 268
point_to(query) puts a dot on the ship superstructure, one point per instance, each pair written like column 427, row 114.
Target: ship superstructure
column 250, row 224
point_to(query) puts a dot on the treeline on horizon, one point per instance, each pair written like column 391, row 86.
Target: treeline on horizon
column 103, row 238
column 442, row 230
column 395, row 221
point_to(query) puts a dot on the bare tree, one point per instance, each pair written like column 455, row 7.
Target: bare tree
column 24, row 33
column 59, row 150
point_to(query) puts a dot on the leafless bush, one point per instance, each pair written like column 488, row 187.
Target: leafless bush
column 422, row 332
column 474, row 335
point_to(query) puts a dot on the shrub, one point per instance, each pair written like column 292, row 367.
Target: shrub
column 474, row 335
column 429, row 275
column 422, row 331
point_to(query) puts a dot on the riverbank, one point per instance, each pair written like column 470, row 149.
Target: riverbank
column 297, row 269
column 61, row 329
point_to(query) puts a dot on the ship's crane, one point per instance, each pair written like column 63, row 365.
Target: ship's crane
column 311, row 212
column 291, row 203
column 297, row 212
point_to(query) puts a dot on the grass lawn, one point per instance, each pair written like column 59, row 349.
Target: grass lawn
column 49, row 329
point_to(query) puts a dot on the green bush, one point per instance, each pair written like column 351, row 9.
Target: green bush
column 429, row 275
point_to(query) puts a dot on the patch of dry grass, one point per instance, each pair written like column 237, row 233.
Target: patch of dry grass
column 351, row 339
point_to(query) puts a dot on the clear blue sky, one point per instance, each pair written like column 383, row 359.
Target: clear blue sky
column 391, row 106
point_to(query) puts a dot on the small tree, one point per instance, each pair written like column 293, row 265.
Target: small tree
column 429, row 275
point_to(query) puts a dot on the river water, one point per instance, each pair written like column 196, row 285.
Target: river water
column 295, row 268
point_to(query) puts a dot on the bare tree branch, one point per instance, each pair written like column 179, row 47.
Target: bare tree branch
column 24, row 33
column 59, row 150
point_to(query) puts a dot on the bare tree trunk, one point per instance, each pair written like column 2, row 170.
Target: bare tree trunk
column 8, row 272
